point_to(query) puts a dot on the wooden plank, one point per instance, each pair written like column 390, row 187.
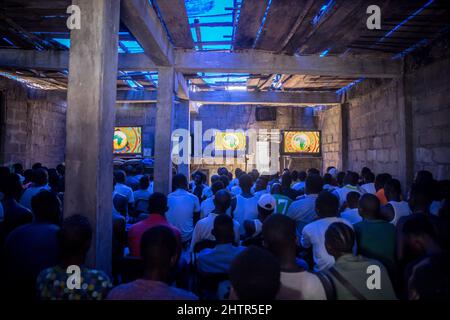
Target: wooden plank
column 280, row 19
column 250, row 18
column 257, row 62
column 174, row 14
column 143, row 22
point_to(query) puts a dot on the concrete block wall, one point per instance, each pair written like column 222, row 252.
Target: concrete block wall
column 329, row 121
column 33, row 125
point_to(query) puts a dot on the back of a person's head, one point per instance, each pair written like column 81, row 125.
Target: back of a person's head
column 216, row 186
column 75, row 235
column 223, row 229
column 53, row 178
column 17, row 168
column 179, row 181
column 276, row 188
column 430, row 279
column 419, row 226
column 327, row 204
column 255, row 275
column 302, row 175
column 352, row 199
column 286, row 179
column 364, row 171
column 423, row 177
column 46, row 207
column 144, row 183
column 339, row 239
column 222, row 200
column 327, row 178
column 61, row 169
column 238, row 172
column 11, row 186
column 28, row 175
column 158, row 248
column 381, row 179
column 340, row 177
column 40, row 177
column 225, row 180
column 420, row 197
column 230, row 176
column 279, row 233
column 36, row 165
column 245, row 182
column 214, row 178
column 120, row 203
column 369, row 177
column 222, row 171
column 351, row 178
column 369, row 206
column 313, row 171
column 313, row 184
column 294, row 175
column 157, row 203
column 392, row 188
column 120, row 176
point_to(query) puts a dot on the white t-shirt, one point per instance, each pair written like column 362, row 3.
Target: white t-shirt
column 303, row 211
column 351, row 215
column 401, row 209
column 369, row 188
column 299, row 186
column 182, row 206
column 246, row 209
column 125, row 190
column 236, row 190
column 302, row 285
column 203, row 228
column 259, row 193
column 313, row 235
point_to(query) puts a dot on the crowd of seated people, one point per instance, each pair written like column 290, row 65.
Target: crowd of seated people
column 294, row 235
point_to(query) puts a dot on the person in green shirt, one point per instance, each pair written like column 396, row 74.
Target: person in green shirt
column 282, row 202
column 355, row 277
column 375, row 237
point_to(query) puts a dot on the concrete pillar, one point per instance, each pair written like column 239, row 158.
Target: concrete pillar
column 344, row 124
column 90, row 122
column 163, row 130
column 405, row 136
column 183, row 121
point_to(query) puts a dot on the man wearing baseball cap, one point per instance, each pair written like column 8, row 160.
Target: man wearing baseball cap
column 266, row 206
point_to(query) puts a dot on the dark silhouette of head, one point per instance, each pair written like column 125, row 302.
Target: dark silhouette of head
column 327, row 205
column 11, row 186
column 144, row 183
column 61, row 169
column 75, row 237
column 46, row 207
column 423, row 177
column 36, row 165
column 294, row 175
column 223, row 229
column 340, row 178
column 352, row 199
column 302, row 175
column 339, row 239
column 369, row 206
column 313, row 184
column 351, row 178
column 381, row 180
column 159, row 252
column 179, row 181
column 313, row 171
column 369, row 177
column 215, row 178
column 419, row 235
column 276, row 188
column 261, row 184
column 279, row 234
column 245, row 182
column 327, row 179
column 255, row 275
column 40, row 177
column 222, row 171
column 393, row 190
column 120, row 176
column 286, row 179
column 420, row 198
column 225, row 180
column 17, row 168
column 157, row 203
column 216, row 186
column 222, row 201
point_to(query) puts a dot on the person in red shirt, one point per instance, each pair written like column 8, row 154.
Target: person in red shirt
column 157, row 206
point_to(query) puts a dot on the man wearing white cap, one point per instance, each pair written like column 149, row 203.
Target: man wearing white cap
column 253, row 228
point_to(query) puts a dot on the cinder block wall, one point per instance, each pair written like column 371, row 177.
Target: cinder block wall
column 33, row 124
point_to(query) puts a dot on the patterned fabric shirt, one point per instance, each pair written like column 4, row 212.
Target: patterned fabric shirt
column 52, row 285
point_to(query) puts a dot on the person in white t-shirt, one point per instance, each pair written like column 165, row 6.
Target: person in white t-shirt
column 350, row 184
column 203, row 228
column 396, row 207
column 40, row 181
column 303, row 210
column 120, row 187
column 142, row 195
column 184, row 207
column 369, row 183
column 313, row 234
column 351, row 213
column 246, row 203
column 207, row 206
column 296, row 283
column 260, row 187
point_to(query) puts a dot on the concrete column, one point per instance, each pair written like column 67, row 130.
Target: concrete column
column 405, row 136
column 343, row 150
column 184, row 121
column 90, row 122
column 163, row 130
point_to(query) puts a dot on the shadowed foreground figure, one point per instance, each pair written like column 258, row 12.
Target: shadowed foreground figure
column 159, row 252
